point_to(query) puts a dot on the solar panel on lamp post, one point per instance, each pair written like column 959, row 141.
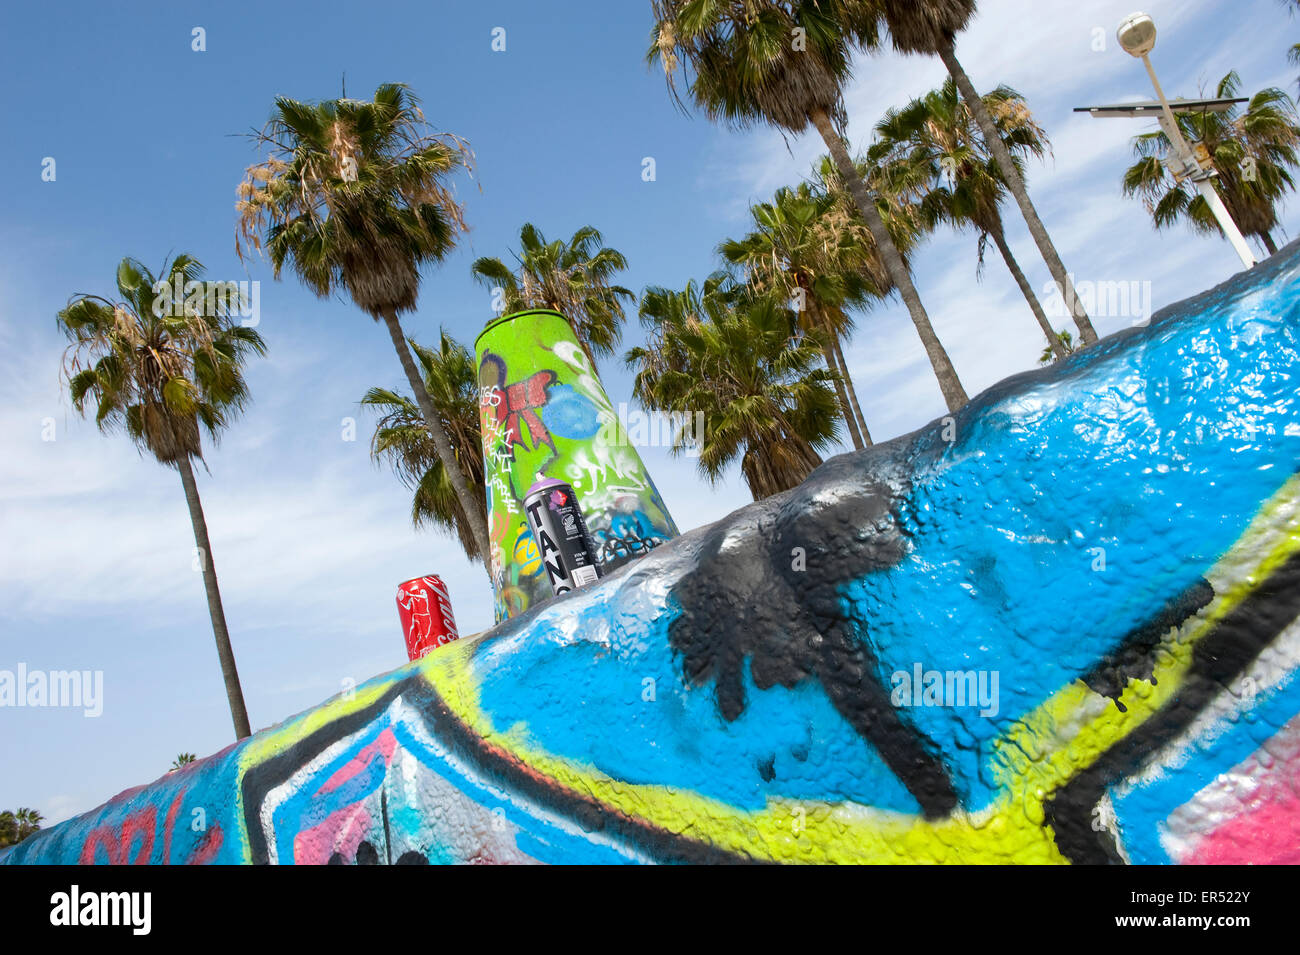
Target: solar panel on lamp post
column 1137, row 35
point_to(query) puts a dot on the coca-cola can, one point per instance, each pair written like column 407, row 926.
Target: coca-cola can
column 425, row 609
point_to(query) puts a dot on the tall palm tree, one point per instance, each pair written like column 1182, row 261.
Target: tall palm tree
column 903, row 221
column 182, row 759
column 664, row 312
column 796, row 249
column 401, row 439
column 930, row 27
column 785, row 63
column 353, row 197
column 933, row 147
column 1253, row 151
column 163, row 368
column 738, row 359
column 576, row 278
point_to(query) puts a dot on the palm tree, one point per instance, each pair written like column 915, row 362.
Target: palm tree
column 182, row 759
column 1253, row 152
column 933, row 147
column 796, row 248
column 1293, row 53
column 903, row 221
column 738, row 359
column 575, row 278
column 162, row 368
column 17, row 826
column 785, row 64
column 451, row 379
column 930, row 27
column 353, row 197
column 1066, row 342
column 664, row 312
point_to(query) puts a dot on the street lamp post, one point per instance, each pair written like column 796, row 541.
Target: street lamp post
column 1137, row 35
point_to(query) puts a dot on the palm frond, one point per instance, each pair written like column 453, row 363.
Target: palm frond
column 158, row 373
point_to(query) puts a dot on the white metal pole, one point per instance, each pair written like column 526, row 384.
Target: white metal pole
column 1225, row 221
column 1175, row 133
column 1192, row 169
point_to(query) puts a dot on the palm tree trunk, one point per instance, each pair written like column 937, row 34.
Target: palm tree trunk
column 947, row 53
column 953, row 392
column 225, row 653
column 1035, row 306
column 828, row 353
column 853, row 395
column 1267, row 239
column 848, row 396
column 439, row 435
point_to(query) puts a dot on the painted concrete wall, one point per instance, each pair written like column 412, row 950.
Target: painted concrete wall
column 1060, row 626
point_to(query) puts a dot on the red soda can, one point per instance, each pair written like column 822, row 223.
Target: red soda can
column 425, row 610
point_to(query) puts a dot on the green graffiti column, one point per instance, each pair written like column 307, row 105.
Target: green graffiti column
column 544, row 413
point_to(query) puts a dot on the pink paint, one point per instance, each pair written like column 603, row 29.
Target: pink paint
column 385, row 743
column 1267, row 830
column 208, row 846
column 341, row 832
column 117, row 844
column 169, row 824
column 1270, row 835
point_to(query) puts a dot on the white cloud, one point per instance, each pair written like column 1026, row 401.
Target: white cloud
column 90, row 521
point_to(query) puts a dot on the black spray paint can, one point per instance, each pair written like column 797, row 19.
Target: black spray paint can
column 560, row 532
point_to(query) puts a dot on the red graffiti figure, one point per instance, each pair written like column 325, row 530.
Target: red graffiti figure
column 137, row 832
column 521, row 400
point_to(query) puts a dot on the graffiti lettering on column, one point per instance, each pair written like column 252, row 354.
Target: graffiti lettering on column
column 628, row 535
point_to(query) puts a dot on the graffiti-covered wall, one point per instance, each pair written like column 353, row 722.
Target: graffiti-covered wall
column 1060, row 626
column 544, row 414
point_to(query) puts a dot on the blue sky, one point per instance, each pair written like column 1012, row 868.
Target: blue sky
column 309, row 537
